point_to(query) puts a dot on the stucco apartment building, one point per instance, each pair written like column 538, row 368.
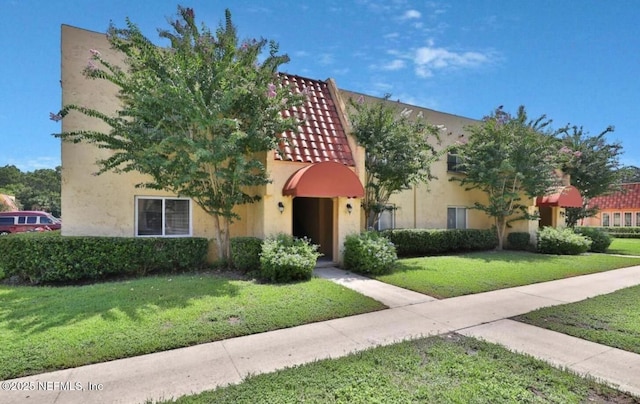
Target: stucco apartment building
column 317, row 178
column 620, row 209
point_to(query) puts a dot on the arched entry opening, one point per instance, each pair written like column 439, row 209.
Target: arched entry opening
column 315, row 190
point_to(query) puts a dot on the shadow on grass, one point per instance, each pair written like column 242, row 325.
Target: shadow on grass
column 31, row 310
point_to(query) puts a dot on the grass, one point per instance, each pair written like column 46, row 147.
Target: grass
column 456, row 275
column 47, row 328
column 612, row 319
column 443, row 369
column 625, row 246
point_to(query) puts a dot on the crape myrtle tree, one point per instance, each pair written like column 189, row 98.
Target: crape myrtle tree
column 399, row 152
column 193, row 116
column 508, row 158
column 593, row 165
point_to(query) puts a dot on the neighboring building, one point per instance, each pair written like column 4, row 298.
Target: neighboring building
column 620, row 209
column 317, row 176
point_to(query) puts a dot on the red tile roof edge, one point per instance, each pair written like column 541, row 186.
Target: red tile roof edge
column 321, row 135
column 629, row 198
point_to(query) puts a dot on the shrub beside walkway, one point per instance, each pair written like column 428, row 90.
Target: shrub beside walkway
column 174, row 373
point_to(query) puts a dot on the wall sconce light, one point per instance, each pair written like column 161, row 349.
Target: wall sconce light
column 562, row 214
column 280, row 207
column 349, row 208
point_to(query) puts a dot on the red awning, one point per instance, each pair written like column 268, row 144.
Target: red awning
column 565, row 197
column 324, row 180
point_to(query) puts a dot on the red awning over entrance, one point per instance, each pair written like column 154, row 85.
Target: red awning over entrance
column 324, row 180
column 566, row 197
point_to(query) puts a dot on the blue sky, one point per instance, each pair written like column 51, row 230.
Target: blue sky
column 576, row 62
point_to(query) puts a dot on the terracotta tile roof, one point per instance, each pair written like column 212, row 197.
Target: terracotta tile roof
column 627, row 199
column 321, row 136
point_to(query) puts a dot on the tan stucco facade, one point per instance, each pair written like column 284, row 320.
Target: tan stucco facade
column 105, row 205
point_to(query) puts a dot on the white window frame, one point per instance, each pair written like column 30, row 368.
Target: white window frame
column 164, row 199
column 637, row 219
column 392, row 213
column 624, row 219
column 618, row 222
column 608, row 221
column 466, row 216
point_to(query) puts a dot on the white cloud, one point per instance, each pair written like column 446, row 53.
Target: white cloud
column 411, row 15
column 427, row 59
column 396, row 64
column 326, row 59
column 35, row 163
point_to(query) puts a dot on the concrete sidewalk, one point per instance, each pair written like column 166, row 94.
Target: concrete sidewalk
column 204, row 367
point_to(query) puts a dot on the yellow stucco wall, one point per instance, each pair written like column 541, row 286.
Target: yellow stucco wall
column 104, row 205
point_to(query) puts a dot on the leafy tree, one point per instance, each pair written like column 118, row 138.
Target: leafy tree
column 194, row 116
column 399, row 152
column 36, row 190
column 629, row 174
column 593, row 165
column 508, row 158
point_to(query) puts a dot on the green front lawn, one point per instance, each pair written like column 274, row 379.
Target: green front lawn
column 443, row 369
column 456, row 275
column 612, row 319
column 47, row 328
column 625, row 246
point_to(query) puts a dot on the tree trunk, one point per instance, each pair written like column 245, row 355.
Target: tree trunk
column 220, row 238
column 501, row 227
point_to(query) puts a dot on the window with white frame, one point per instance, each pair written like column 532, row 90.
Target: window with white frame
column 456, row 218
column 387, row 218
column 606, row 220
column 627, row 219
column 454, row 162
column 160, row 216
column 638, row 219
column 616, row 219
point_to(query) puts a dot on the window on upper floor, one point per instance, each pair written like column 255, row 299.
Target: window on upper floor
column 454, row 162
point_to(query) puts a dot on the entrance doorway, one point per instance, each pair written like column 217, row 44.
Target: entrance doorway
column 313, row 218
column 546, row 216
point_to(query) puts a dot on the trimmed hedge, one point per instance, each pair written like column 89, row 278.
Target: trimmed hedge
column 621, row 231
column 52, row 258
column 519, row 240
column 601, row 240
column 423, row 242
column 562, row 242
column 369, row 253
column 245, row 253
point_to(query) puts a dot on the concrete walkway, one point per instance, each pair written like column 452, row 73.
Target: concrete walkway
column 174, row 373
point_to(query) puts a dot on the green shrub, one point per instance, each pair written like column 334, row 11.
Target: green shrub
column 600, row 240
column 369, row 253
column 562, row 242
column 621, row 231
column 519, row 240
column 422, row 242
column 245, row 253
column 49, row 257
column 285, row 258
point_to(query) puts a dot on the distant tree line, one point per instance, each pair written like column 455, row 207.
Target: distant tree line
column 34, row 190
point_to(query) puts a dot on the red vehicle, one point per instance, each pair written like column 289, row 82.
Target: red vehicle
column 21, row 221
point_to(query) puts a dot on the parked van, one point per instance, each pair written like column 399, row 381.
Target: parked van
column 26, row 220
